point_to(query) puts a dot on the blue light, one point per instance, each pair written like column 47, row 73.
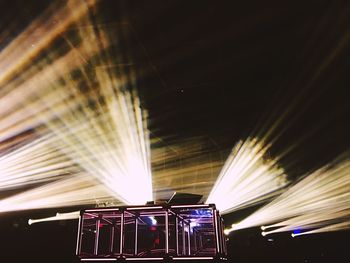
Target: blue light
column 297, row 231
column 202, row 212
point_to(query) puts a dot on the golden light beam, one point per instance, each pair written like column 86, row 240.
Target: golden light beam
column 246, row 178
column 22, row 110
column 321, row 199
column 38, row 35
column 331, row 228
column 77, row 190
column 101, row 130
column 35, row 162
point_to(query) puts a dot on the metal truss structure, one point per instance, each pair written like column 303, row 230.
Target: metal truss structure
column 151, row 233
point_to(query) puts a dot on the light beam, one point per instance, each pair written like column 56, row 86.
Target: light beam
column 246, row 178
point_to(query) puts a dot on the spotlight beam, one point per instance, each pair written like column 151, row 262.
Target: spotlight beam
column 319, row 201
column 246, row 179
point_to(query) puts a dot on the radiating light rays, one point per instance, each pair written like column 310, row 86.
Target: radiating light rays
column 86, row 116
column 26, row 105
column 318, row 203
column 76, row 190
column 38, row 35
column 34, row 162
column 331, row 228
column 109, row 146
column 246, row 178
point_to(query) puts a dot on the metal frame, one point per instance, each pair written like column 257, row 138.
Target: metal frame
column 193, row 248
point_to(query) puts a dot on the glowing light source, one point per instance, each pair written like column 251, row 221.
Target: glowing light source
column 153, row 220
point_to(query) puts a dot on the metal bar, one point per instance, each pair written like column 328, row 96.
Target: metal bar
column 183, row 239
column 177, row 235
column 195, row 240
column 98, row 259
column 171, row 212
column 219, row 232
column 216, row 231
column 166, row 232
column 97, row 236
column 193, row 258
column 223, row 237
column 107, row 221
column 144, row 208
column 121, row 233
column 136, row 221
column 79, row 236
column 142, row 259
column 188, row 206
column 189, row 240
column 92, row 215
column 111, row 248
column 102, row 210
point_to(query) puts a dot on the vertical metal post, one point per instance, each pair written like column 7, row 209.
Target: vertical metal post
column 97, row 236
column 166, row 232
column 121, row 233
column 195, row 240
column 189, row 239
column 183, row 238
column 111, row 247
column 223, row 237
column 218, row 222
column 201, row 242
column 136, row 221
column 177, row 235
column 216, row 231
column 79, row 235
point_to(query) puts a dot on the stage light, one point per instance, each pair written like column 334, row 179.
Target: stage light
column 247, row 178
column 153, row 220
column 227, row 231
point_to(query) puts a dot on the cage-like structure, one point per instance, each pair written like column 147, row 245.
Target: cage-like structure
column 157, row 232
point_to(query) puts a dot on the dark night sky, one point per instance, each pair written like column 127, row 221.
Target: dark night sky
column 227, row 70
